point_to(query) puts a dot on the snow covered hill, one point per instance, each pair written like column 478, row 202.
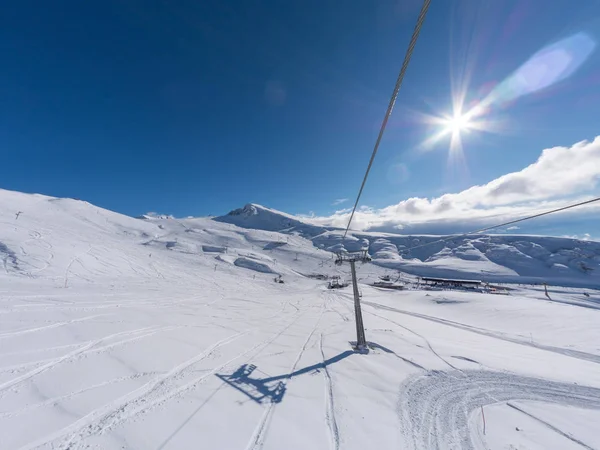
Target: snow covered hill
column 71, row 241
column 166, row 333
column 66, row 241
column 497, row 258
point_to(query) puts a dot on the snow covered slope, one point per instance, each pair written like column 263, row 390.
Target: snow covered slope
column 66, row 242
column 171, row 333
column 497, row 258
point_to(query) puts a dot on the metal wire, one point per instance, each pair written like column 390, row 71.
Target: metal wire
column 390, row 108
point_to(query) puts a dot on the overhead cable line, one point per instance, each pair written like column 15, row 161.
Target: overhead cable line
column 390, row 108
column 504, row 224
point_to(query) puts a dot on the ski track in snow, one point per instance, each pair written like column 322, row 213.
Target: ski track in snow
column 38, row 238
column 144, row 398
column 332, row 427
column 75, row 259
column 11, row 334
column 262, row 428
column 107, row 416
column 85, row 348
column 54, row 400
column 420, row 336
column 434, row 408
column 89, row 349
column 563, row 351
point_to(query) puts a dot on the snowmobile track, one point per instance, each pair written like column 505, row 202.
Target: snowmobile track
column 434, row 408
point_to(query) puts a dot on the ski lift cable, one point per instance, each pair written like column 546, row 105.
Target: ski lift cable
column 390, row 108
column 545, row 213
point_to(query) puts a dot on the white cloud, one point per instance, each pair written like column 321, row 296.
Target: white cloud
column 339, row 201
column 560, row 175
column 512, row 228
column 583, row 237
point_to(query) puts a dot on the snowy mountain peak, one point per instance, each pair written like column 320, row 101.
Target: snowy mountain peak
column 249, row 209
column 259, row 217
column 153, row 215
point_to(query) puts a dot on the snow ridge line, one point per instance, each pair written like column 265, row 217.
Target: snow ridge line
column 260, row 432
column 334, row 434
column 552, row 427
column 116, row 412
column 70, row 355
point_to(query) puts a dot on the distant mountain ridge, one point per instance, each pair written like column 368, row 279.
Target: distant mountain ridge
column 66, row 241
column 491, row 257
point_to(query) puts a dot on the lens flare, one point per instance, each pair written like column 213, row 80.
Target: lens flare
column 549, row 66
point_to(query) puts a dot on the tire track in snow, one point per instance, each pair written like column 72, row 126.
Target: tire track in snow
column 136, row 402
column 260, row 432
column 434, row 408
column 334, row 434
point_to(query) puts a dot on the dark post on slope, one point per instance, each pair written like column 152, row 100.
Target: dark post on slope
column 361, row 341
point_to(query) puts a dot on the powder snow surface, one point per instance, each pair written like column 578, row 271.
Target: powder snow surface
column 163, row 333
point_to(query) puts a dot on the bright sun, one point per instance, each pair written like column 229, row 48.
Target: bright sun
column 458, row 123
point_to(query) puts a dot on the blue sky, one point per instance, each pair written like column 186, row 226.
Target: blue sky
column 195, row 108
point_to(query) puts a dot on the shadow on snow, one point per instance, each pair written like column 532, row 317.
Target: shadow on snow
column 271, row 389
